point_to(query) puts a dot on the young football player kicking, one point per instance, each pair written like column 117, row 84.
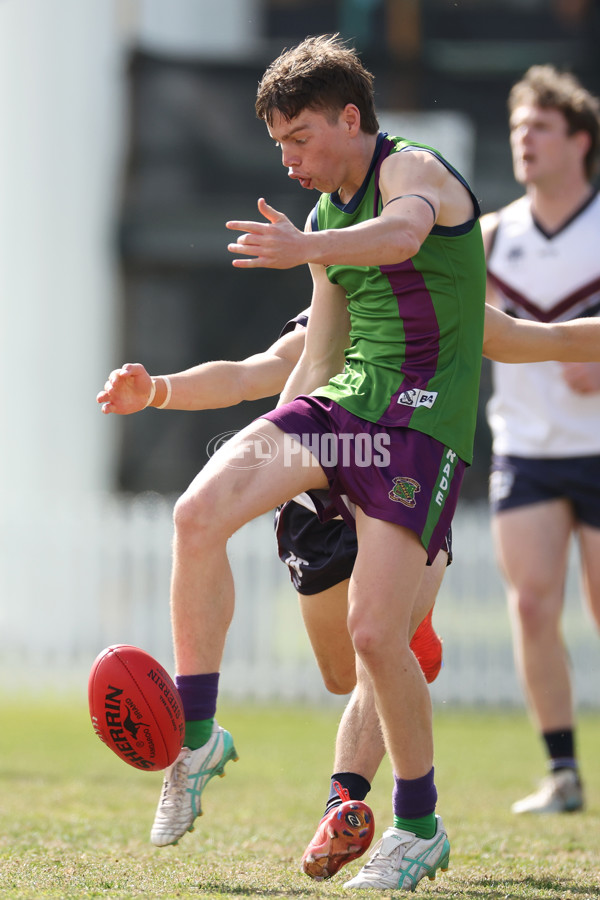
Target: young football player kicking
column 320, row 555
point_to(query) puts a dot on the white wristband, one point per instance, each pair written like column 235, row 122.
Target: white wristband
column 167, row 382
column 152, row 393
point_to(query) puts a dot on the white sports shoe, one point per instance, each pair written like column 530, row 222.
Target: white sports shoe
column 184, row 782
column 401, row 859
column 559, row 792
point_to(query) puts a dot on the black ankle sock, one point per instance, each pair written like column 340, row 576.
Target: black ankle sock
column 560, row 746
column 357, row 786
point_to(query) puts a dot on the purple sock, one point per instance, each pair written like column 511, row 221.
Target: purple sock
column 414, row 797
column 198, row 695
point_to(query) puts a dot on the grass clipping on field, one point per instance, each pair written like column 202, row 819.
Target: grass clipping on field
column 75, row 820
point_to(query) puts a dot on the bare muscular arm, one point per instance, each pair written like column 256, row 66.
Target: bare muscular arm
column 417, row 190
column 326, row 339
column 211, row 385
column 511, row 340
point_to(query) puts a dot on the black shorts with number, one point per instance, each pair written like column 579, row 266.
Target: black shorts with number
column 318, row 554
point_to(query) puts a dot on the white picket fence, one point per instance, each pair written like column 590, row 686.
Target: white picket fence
column 79, row 574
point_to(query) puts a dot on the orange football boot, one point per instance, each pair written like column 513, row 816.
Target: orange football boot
column 344, row 834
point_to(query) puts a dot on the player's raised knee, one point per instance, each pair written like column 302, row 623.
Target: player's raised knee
column 195, row 515
column 339, row 682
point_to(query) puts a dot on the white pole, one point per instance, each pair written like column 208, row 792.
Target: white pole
column 60, row 71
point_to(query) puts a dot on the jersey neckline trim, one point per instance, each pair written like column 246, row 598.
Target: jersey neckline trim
column 549, row 235
column 354, row 202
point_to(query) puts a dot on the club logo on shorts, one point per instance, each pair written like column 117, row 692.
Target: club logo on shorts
column 404, row 491
column 295, row 564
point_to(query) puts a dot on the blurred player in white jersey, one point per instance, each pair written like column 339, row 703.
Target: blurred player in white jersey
column 544, row 266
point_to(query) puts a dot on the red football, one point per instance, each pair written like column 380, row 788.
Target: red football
column 135, row 707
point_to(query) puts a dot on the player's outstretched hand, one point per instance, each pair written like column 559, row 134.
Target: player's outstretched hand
column 274, row 244
column 582, row 377
column 126, row 390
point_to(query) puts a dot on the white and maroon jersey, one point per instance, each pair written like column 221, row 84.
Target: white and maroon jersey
column 546, row 278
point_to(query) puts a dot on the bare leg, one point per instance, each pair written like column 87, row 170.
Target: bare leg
column 227, row 493
column 325, row 615
column 383, row 593
column 532, row 545
column 240, row 482
column 359, row 744
column 589, row 541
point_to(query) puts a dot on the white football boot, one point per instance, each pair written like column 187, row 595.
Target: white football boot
column 184, row 782
column 559, row 792
column 401, row 859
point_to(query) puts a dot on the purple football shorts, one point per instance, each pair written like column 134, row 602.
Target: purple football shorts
column 395, row 474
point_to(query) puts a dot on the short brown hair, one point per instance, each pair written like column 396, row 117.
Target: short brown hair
column 548, row 88
column 321, row 73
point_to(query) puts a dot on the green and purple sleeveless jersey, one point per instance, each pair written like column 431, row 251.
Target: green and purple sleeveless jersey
column 416, row 328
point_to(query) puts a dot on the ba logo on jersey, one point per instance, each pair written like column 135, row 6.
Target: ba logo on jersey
column 417, row 398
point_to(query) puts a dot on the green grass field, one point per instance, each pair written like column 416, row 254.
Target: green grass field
column 74, row 820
